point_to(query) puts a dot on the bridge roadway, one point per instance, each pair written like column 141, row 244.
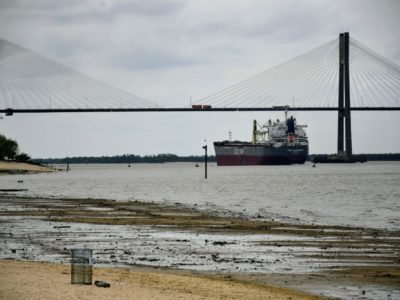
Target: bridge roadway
column 10, row 111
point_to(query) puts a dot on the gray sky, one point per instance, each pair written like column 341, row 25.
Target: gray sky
column 169, row 51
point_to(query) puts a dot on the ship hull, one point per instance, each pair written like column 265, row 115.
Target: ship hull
column 243, row 153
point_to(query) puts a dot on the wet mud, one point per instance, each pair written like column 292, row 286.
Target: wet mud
column 332, row 261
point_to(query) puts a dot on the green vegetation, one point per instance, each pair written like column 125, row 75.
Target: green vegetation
column 382, row 156
column 359, row 157
column 22, row 157
column 164, row 158
column 124, row 159
column 9, row 150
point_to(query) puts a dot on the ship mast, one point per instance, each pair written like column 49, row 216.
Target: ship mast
column 254, row 131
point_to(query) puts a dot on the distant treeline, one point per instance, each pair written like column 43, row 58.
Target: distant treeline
column 368, row 157
column 164, row 158
column 124, row 159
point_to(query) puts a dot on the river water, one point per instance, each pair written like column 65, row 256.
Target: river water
column 365, row 195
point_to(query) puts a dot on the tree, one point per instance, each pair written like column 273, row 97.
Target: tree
column 8, row 148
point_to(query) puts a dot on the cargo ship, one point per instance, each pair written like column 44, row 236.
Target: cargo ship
column 273, row 143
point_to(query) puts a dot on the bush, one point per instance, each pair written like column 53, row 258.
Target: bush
column 22, row 157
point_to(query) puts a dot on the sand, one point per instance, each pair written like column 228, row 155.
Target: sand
column 13, row 167
column 39, row 280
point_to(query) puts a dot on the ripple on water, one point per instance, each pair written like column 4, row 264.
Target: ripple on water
column 337, row 194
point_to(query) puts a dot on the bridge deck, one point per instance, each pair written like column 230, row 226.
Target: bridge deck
column 11, row 111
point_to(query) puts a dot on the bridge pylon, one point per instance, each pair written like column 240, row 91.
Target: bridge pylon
column 344, row 108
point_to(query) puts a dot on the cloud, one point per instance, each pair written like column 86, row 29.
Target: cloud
column 172, row 50
column 151, row 8
column 40, row 6
column 149, row 58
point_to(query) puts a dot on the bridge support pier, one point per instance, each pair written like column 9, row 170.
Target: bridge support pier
column 344, row 109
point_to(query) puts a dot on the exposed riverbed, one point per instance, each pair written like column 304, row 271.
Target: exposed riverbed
column 333, row 261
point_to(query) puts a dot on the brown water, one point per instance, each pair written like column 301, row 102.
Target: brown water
column 365, row 195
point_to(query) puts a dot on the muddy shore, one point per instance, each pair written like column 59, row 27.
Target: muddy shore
column 7, row 167
column 331, row 261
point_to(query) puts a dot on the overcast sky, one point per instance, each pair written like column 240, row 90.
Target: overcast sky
column 169, row 51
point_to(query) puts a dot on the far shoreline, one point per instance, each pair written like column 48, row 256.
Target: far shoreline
column 173, row 158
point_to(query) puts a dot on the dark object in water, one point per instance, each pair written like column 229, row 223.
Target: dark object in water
column 13, row 190
column 218, row 243
column 20, row 181
column 196, row 165
column 102, row 284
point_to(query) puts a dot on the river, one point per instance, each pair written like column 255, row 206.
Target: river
column 365, row 195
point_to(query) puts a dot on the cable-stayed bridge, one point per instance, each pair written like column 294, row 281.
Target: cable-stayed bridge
column 341, row 75
column 30, row 82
